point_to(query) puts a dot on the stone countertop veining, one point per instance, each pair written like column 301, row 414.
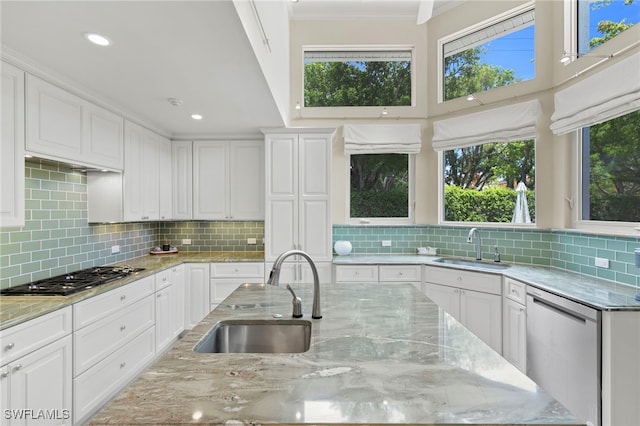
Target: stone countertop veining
column 381, row 354
column 18, row 309
column 595, row 292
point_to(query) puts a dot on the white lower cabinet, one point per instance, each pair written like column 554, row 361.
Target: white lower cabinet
column 226, row 277
column 113, row 340
column 169, row 297
column 473, row 298
column 197, row 293
column 514, row 323
column 36, row 356
column 411, row 274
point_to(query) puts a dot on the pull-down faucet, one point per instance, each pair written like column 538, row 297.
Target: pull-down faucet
column 478, row 242
column 274, row 278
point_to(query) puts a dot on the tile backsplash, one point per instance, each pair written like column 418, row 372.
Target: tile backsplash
column 573, row 251
column 57, row 239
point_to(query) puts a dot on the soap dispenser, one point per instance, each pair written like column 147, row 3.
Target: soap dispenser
column 496, row 255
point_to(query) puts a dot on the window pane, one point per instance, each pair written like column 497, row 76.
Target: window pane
column 379, row 186
column 611, row 170
column 481, row 183
column 601, row 20
column 352, row 78
column 496, row 56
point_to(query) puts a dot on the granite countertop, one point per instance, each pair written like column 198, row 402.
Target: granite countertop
column 381, row 354
column 595, row 292
column 18, row 309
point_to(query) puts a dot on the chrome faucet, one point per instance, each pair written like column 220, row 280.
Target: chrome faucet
column 478, row 242
column 274, row 278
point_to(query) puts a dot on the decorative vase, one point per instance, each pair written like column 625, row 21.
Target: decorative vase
column 342, row 248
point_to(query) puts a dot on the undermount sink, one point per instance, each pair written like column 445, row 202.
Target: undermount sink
column 257, row 336
column 473, row 263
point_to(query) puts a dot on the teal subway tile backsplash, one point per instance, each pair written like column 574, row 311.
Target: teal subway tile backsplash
column 213, row 235
column 572, row 251
column 56, row 238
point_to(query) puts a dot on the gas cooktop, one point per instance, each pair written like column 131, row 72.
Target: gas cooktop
column 63, row 285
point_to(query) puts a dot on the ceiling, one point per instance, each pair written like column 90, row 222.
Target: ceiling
column 194, row 51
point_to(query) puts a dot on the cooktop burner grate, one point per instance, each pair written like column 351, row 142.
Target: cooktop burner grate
column 63, row 285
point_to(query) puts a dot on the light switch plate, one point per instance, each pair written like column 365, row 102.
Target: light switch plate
column 115, row 249
column 386, row 243
column 602, row 262
column 186, row 241
column 251, row 241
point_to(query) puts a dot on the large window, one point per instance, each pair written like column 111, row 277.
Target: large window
column 601, row 20
column 611, row 170
column 493, row 182
column 497, row 54
column 357, row 78
column 380, row 187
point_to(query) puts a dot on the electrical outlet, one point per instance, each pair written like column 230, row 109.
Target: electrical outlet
column 186, row 241
column 251, row 241
column 115, row 249
column 386, row 243
column 602, row 262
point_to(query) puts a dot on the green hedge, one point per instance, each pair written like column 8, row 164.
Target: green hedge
column 394, row 203
column 622, row 208
column 488, row 205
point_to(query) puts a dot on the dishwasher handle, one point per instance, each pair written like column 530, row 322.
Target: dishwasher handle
column 564, row 312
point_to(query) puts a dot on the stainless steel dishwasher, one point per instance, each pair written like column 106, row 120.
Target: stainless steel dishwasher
column 563, row 352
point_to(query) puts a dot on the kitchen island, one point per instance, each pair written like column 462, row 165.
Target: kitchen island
column 381, row 354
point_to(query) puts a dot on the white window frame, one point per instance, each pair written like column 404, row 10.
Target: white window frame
column 382, row 220
column 358, row 111
column 441, row 213
column 469, row 30
column 575, row 202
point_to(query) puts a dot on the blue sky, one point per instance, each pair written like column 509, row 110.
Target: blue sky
column 516, row 50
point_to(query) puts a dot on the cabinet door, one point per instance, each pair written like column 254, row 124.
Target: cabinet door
column 177, row 282
column 314, row 210
column 481, row 313
column 12, row 147
column 165, row 197
column 514, row 331
column 448, row 298
column 281, row 187
column 164, row 318
column 210, row 183
column 196, row 293
column 103, row 137
column 4, row 390
column 48, row 368
column 141, row 174
column 54, row 121
column 182, row 170
column 246, row 180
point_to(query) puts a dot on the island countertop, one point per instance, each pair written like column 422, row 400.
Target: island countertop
column 381, row 354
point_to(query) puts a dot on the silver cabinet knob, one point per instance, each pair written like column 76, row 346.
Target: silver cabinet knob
column 17, row 367
column 4, row 374
column 123, row 327
column 10, row 346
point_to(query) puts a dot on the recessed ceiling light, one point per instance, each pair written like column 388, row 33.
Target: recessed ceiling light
column 97, row 39
column 196, row 116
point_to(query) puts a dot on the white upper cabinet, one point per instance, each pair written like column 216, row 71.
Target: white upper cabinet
column 165, row 179
column 298, row 204
column 12, row 147
column 64, row 127
column 182, row 183
column 141, row 174
column 228, row 180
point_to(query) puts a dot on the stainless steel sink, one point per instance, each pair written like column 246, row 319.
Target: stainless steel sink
column 257, row 336
column 472, row 263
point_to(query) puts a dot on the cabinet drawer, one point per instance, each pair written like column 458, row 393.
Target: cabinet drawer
column 90, row 310
column 400, row 273
column 34, row 334
column 238, row 269
column 486, row 283
column 356, row 273
column 163, row 278
column 515, row 290
column 94, row 387
column 95, row 342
